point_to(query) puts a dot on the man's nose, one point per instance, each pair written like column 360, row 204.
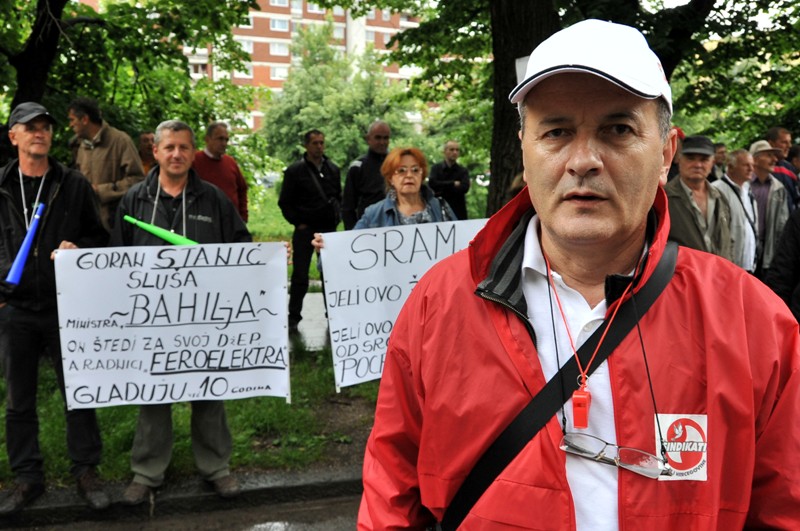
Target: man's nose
column 585, row 159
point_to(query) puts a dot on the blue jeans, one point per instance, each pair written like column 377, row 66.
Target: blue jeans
column 27, row 335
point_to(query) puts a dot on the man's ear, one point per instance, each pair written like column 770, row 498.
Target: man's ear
column 668, row 152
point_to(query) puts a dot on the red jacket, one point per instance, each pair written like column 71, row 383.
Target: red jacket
column 224, row 173
column 460, row 367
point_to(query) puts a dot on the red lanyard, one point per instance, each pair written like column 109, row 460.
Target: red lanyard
column 582, row 398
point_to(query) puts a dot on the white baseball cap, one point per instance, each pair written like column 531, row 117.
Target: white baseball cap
column 614, row 52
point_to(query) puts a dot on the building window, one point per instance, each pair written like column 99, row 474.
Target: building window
column 314, row 8
column 278, row 24
column 338, row 11
column 246, row 44
column 245, row 73
column 297, row 7
column 370, row 36
column 249, row 120
column 371, row 15
column 199, row 69
column 247, row 22
column 278, row 48
column 386, row 15
column 338, row 32
column 386, row 38
column 279, row 3
column 278, row 72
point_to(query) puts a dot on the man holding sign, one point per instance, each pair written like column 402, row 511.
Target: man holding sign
column 173, row 197
column 28, row 310
column 683, row 416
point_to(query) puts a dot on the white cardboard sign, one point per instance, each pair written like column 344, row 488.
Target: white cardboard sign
column 150, row 325
column 368, row 275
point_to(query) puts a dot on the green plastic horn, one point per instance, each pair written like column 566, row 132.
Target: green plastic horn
column 164, row 234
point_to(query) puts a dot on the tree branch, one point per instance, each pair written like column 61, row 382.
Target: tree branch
column 77, row 21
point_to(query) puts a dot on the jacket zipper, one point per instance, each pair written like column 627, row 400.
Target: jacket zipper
column 489, row 296
column 39, row 233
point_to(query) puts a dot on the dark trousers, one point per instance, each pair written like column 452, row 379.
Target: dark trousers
column 28, row 335
column 302, row 253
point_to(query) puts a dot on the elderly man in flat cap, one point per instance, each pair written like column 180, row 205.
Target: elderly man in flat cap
column 772, row 203
column 700, row 216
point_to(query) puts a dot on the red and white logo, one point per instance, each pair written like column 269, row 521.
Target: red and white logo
column 686, row 440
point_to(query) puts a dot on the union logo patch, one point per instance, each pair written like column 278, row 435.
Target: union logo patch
column 686, row 440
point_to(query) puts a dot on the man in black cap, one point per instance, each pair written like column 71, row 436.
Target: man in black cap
column 28, row 310
column 700, row 215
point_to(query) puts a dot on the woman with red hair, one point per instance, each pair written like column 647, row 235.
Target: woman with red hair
column 408, row 201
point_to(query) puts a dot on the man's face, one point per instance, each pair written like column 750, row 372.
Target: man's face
column 719, row 155
column 694, row 167
column 451, row 152
column 316, row 147
column 175, row 153
column 593, row 157
column 764, row 161
column 378, row 138
column 742, row 170
column 32, row 139
column 80, row 125
column 146, row 142
column 783, row 142
column 217, row 142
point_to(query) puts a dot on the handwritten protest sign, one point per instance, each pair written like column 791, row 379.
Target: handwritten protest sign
column 148, row 325
column 368, row 276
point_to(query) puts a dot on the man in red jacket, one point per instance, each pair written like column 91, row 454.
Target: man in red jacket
column 212, row 164
column 690, row 423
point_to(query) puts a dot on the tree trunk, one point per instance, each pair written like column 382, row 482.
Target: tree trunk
column 33, row 63
column 518, row 26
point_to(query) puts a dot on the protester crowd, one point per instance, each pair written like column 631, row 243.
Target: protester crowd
column 200, row 195
column 737, row 202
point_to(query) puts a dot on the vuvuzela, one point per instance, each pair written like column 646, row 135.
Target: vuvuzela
column 15, row 273
column 164, row 234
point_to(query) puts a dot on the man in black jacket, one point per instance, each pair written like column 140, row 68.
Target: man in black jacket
column 173, row 197
column 310, row 197
column 28, row 310
column 450, row 180
column 365, row 184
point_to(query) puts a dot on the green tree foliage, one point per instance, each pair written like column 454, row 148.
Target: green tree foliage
column 338, row 95
column 744, row 84
column 341, row 96
column 130, row 57
column 743, row 81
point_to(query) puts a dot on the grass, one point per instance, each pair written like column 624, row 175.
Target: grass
column 267, row 432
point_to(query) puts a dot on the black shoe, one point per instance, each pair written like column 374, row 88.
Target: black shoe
column 136, row 494
column 91, row 490
column 226, row 487
column 22, row 495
